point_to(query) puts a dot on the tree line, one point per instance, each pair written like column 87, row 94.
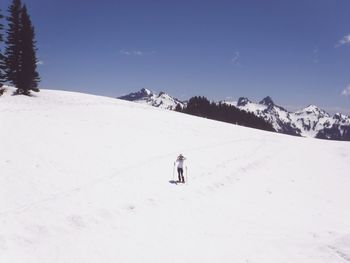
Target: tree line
column 18, row 61
column 202, row 107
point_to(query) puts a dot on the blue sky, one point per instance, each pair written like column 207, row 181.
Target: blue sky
column 297, row 52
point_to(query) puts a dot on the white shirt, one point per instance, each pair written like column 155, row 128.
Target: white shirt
column 180, row 163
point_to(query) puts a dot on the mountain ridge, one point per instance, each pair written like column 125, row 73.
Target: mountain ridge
column 311, row 121
column 160, row 100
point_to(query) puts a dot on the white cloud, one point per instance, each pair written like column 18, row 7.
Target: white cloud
column 235, row 58
column 40, row 62
column 125, row 52
column 135, row 52
column 346, row 91
column 138, row 53
column 344, row 41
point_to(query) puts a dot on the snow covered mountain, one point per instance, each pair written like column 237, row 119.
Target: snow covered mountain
column 308, row 122
column 88, row 179
column 145, row 96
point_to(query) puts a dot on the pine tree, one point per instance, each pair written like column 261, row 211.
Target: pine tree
column 29, row 77
column 12, row 51
column 20, row 53
column 2, row 62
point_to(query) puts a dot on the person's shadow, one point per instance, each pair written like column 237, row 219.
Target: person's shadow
column 173, row 182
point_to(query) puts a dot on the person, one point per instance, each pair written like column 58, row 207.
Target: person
column 180, row 167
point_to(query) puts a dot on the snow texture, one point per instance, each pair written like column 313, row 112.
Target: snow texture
column 86, row 179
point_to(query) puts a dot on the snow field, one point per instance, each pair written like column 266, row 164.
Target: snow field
column 86, row 179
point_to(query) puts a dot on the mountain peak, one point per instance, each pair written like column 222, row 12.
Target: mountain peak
column 162, row 93
column 139, row 95
column 311, row 107
column 242, row 101
column 314, row 109
column 145, row 96
column 267, row 101
column 146, row 91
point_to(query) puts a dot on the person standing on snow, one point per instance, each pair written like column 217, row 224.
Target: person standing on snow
column 180, row 167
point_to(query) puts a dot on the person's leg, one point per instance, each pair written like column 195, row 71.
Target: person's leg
column 179, row 173
column 182, row 176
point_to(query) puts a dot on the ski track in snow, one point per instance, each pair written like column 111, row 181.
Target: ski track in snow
column 223, row 165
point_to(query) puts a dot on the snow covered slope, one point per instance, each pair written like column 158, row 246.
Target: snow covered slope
column 86, row 179
column 308, row 122
column 161, row 100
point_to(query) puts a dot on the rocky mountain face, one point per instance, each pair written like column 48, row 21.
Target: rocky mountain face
column 308, row 122
column 161, row 100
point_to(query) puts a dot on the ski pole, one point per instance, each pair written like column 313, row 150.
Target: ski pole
column 173, row 171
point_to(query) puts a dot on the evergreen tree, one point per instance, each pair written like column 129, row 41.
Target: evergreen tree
column 12, row 52
column 2, row 62
column 20, row 53
column 201, row 106
column 29, row 77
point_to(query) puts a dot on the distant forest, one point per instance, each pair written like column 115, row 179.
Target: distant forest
column 335, row 132
column 202, row 107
